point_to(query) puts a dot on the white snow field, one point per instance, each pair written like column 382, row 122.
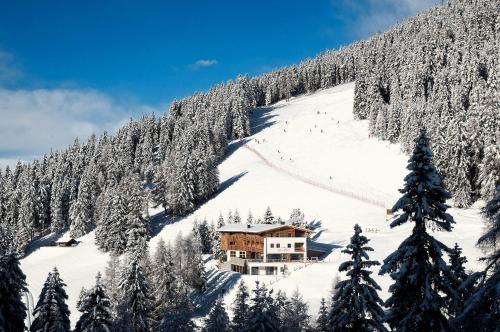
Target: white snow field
column 306, row 153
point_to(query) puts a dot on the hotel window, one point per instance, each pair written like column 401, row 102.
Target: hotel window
column 289, row 245
column 232, row 253
column 277, row 245
column 272, row 245
column 243, row 254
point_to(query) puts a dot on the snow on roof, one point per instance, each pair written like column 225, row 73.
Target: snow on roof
column 253, row 228
column 65, row 237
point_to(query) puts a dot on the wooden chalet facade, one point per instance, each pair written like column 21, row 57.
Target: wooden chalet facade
column 263, row 248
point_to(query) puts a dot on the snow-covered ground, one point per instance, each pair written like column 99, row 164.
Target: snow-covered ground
column 306, row 153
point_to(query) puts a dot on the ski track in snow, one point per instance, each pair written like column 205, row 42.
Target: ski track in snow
column 319, row 185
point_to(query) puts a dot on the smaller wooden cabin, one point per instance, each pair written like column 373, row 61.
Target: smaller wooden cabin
column 65, row 243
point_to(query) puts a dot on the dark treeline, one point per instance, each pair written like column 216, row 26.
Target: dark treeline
column 438, row 71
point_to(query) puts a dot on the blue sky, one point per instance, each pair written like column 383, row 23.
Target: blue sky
column 70, row 68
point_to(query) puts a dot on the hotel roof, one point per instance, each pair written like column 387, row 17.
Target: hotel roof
column 255, row 228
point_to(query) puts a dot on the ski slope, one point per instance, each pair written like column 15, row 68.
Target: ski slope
column 306, row 153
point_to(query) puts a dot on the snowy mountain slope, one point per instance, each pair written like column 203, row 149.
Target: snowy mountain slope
column 77, row 266
column 308, row 153
column 287, row 163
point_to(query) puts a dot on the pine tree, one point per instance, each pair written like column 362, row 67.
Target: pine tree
column 164, row 280
column 296, row 318
column 95, row 308
column 51, row 311
column 137, row 232
column 250, row 217
column 240, row 308
column 281, row 303
column 178, row 318
column 217, row 251
column 459, row 278
column 220, row 221
column 217, row 320
column 489, row 171
column 356, row 306
column 135, row 311
column 12, row 289
column 112, row 280
column 268, row 216
column 322, row 321
column 237, row 218
column 262, row 315
column 193, row 269
column 81, row 213
column 482, row 309
column 417, row 267
column 297, row 218
column 230, row 218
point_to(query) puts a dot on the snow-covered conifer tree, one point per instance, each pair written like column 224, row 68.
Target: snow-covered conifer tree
column 295, row 316
column 421, row 277
column 217, row 320
column 135, row 310
column 240, row 308
column 250, row 217
column 12, row 289
column 81, row 213
column 460, row 284
column 322, row 320
column 356, row 306
column 178, row 318
column 96, row 310
column 112, row 280
column 482, row 309
column 268, row 216
column 51, row 311
column 297, row 218
column 262, row 314
column 237, row 218
column 164, row 280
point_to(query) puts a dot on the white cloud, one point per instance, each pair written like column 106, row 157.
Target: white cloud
column 371, row 16
column 34, row 121
column 203, row 63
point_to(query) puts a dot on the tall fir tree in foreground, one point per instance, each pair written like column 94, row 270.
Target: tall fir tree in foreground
column 51, row 311
column 356, row 305
column 217, row 320
column 482, row 309
column 12, row 288
column 240, row 308
column 421, row 277
column 95, row 308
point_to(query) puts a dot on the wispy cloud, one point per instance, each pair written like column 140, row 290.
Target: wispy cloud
column 365, row 18
column 34, row 121
column 9, row 70
column 203, row 63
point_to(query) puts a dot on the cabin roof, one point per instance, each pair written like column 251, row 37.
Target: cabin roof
column 256, row 228
column 65, row 238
